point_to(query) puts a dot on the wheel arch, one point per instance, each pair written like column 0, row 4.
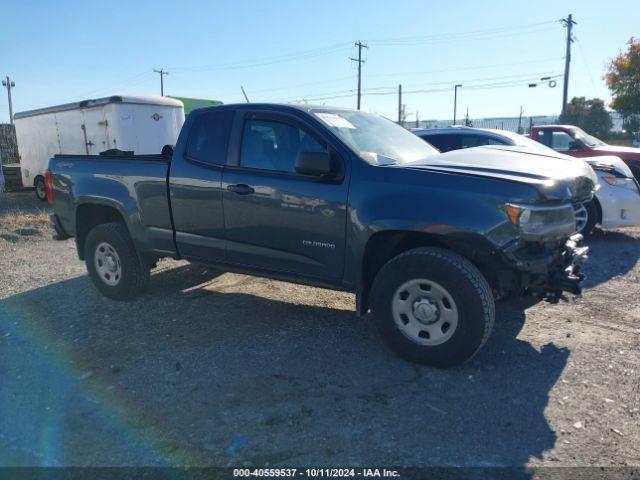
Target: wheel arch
column 596, row 202
column 384, row 245
column 36, row 178
column 88, row 216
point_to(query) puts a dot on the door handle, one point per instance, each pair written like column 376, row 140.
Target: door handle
column 241, row 189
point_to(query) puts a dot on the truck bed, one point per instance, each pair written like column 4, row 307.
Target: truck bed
column 133, row 184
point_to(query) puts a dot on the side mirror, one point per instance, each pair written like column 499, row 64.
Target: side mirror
column 575, row 146
column 317, row 164
column 167, row 152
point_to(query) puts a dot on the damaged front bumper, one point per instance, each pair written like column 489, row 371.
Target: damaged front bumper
column 567, row 275
column 548, row 272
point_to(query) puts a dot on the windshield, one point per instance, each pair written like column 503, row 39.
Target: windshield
column 377, row 140
column 588, row 140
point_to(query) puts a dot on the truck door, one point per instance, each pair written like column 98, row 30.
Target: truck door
column 195, row 186
column 561, row 141
column 276, row 219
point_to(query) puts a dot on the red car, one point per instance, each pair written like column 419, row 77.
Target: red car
column 576, row 142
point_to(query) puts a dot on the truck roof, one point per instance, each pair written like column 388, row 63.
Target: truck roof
column 284, row 106
column 130, row 99
column 553, row 126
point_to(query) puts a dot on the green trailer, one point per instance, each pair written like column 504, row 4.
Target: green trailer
column 191, row 104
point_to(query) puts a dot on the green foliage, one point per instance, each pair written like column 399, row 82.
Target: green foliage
column 590, row 115
column 632, row 124
column 623, row 79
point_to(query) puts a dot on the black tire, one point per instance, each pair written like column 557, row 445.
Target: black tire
column 461, row 280
column 592, row 218
column 133, row 276
column 41, row 191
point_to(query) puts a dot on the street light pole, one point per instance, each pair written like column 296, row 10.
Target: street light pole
column 455, row 101
column 9, row 84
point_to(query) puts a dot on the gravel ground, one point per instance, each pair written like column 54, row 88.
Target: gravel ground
column 210, row 368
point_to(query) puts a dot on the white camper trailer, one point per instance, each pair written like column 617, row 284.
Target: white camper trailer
column 143, row 124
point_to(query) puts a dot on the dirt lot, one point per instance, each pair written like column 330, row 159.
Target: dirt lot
column 219, row 369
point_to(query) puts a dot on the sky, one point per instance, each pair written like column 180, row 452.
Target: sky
column 295, row 51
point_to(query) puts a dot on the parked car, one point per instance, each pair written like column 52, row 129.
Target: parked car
column 576, row 142
column 617, row 199
column 336, row 198
column 142, row 124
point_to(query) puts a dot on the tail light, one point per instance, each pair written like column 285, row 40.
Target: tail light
column 48, row 185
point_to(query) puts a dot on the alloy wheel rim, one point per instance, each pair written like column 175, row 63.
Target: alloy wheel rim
column 108, row 265
column 425, row 312
column 582, row 216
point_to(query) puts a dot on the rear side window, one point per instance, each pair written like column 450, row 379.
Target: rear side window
column 209, row 137
column 445, row 142
column 469, row 141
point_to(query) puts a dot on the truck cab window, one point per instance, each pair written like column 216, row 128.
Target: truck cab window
column 560, row 141
column 270, row 145
column 469, row 141
column 209, row 136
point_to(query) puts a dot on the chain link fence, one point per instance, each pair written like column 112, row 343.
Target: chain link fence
column 8, row 144
column 505, row 123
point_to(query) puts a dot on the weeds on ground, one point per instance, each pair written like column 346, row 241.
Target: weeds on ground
column 18, row 219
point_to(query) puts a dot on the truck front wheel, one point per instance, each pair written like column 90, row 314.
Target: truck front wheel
column 433, row 306
column 113, row 263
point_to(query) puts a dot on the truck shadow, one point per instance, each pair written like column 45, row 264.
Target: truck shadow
column 602, row 266
column 193, row 376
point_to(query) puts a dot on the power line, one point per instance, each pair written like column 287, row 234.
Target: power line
column 486, row 86
column 466, row 36
column 586, row 64
column 373, row 90
column 414, row 72
column 303, row 55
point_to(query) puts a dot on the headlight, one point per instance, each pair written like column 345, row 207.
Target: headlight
column 542, row 223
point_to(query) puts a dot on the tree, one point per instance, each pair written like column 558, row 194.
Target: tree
column 598, row 121
column 632, row 124
column 590, row 115
column 623, row 79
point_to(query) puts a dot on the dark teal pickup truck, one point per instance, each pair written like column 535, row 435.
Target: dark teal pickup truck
column 335, row 198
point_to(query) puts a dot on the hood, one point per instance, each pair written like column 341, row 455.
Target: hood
column 554, row 177
column 609, row 163
column 631, row 152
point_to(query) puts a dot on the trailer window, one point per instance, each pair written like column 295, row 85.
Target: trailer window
column 209, row 137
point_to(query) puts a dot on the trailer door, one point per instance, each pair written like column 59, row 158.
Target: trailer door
column 95, row 130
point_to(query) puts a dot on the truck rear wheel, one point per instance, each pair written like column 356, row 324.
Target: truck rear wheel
column 113, row 263
column 41, row 191
column 433, row 306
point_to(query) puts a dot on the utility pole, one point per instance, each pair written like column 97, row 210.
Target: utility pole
column 162, row 73
column 400, row 105
column 520, row 121
column 455, row 101
column 9, row 84
column 360, row 61
column 245, row 94
column 569, row 23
